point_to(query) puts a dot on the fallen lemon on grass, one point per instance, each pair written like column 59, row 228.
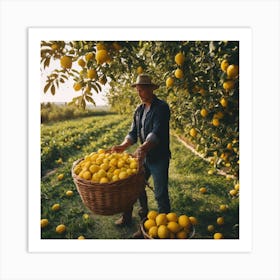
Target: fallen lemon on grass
column 44, row 222
column 60, row 228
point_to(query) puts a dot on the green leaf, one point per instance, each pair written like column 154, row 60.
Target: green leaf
column 47, row 86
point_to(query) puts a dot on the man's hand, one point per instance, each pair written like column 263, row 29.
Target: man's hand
column 122, row 147
column 141, row 151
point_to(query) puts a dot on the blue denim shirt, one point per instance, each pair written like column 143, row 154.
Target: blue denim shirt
column 156, row 129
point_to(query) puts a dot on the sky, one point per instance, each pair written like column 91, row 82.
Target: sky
column 65, row 93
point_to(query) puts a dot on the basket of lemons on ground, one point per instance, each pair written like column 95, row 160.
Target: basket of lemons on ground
column 168, row 226
column 108, row 182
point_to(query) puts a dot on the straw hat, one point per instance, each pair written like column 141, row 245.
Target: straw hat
column 144, row 79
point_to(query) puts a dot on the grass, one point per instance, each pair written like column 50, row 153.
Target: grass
column 187, row 174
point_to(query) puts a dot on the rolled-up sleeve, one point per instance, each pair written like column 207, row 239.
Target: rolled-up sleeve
column 132, row 134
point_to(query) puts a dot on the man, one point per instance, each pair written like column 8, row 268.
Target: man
column 151, row 126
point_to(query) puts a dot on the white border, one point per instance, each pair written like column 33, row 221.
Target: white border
column 244, row 35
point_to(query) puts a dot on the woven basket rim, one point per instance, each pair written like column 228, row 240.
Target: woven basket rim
column 191, row 235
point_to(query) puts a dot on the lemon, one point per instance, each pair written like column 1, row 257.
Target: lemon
column 220, row 220
column 139, row 70
column 179, row 74
column 89, row 56
column 228, row 85
column 223, row 207
column 172, row 217
column 203, row 190
column 169, row 82
column 179, row 58
column 77, row 86
column 56, row 207
column 81, row 237
column 101, row 56
column 184, row 221
column 203, row 113
column 224, row 65
column 104, row 180
column 224, row 102
column 218, row 115
column 181, row 234
column 193, row 220
column 60, row 177
column 232, row 71
column 100, row 46
column 91, row 74
column 193, row 132
column 133, row 165
column 86, row 216
column 210, row 228
column 218, row 235
column 69, row 193
column 152, row 214
column 173, row 227
column 94, row 168
column 54, row 47
column 153, row 232
column 60, row 228
column 233, row 192
column 163, row 232
column 161, row 219
column 44, row 222
column 149, row 223
column 115, row 178
column 216, row 122
column 81, row 62
column 66, row 62
column 123, row 175
column 236, row 187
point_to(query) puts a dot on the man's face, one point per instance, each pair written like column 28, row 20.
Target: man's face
column 145, row 93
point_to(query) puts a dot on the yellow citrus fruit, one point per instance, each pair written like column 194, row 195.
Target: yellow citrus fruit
column 223, row 207
column 193, row 132
column 210, row 172
column 173, row 227
column 81, row 237
column 224, row 65
column 101, row 56
column 152, row 214
column 181, row 234
column 172, row 217
column 91, row 74
column 100, row 46
column 81, row 62
column 94, row 168
column 89, row 56
column 86, row 216
column 180, row 58
column 229, row 146
column 60, row 177
column 54, row 46
column 161, row 219
column 218, row 115
column 163, row 232
column 228, row 85
column 210, row 228
column 104, row 180
column 216, row 122
column 232, row 71
column 87, row 175
column 77, row 86
column 233, row 192
column 169, row 82
column 60, row 228
column 44, row 222
column 69, row 193
column 149, row 223
column 66, row 62
column 203, row 113
column 184, row 221
column 220, row 220
column 224, row 102
column 139, row 70
column 203, row 190
column 193, row 220
column 153, row 232
column 236, row 187
column 56, row 207
column 179, row 74
column 123, row 175
column 218, row 235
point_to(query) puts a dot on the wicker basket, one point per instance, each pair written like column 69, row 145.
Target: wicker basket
column 146, row 236
column 110, row 198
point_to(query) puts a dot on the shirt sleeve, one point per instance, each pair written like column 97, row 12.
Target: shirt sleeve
column 132, row 134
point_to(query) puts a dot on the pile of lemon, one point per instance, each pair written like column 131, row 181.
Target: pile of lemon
column 169, row 226
column 105, row 167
